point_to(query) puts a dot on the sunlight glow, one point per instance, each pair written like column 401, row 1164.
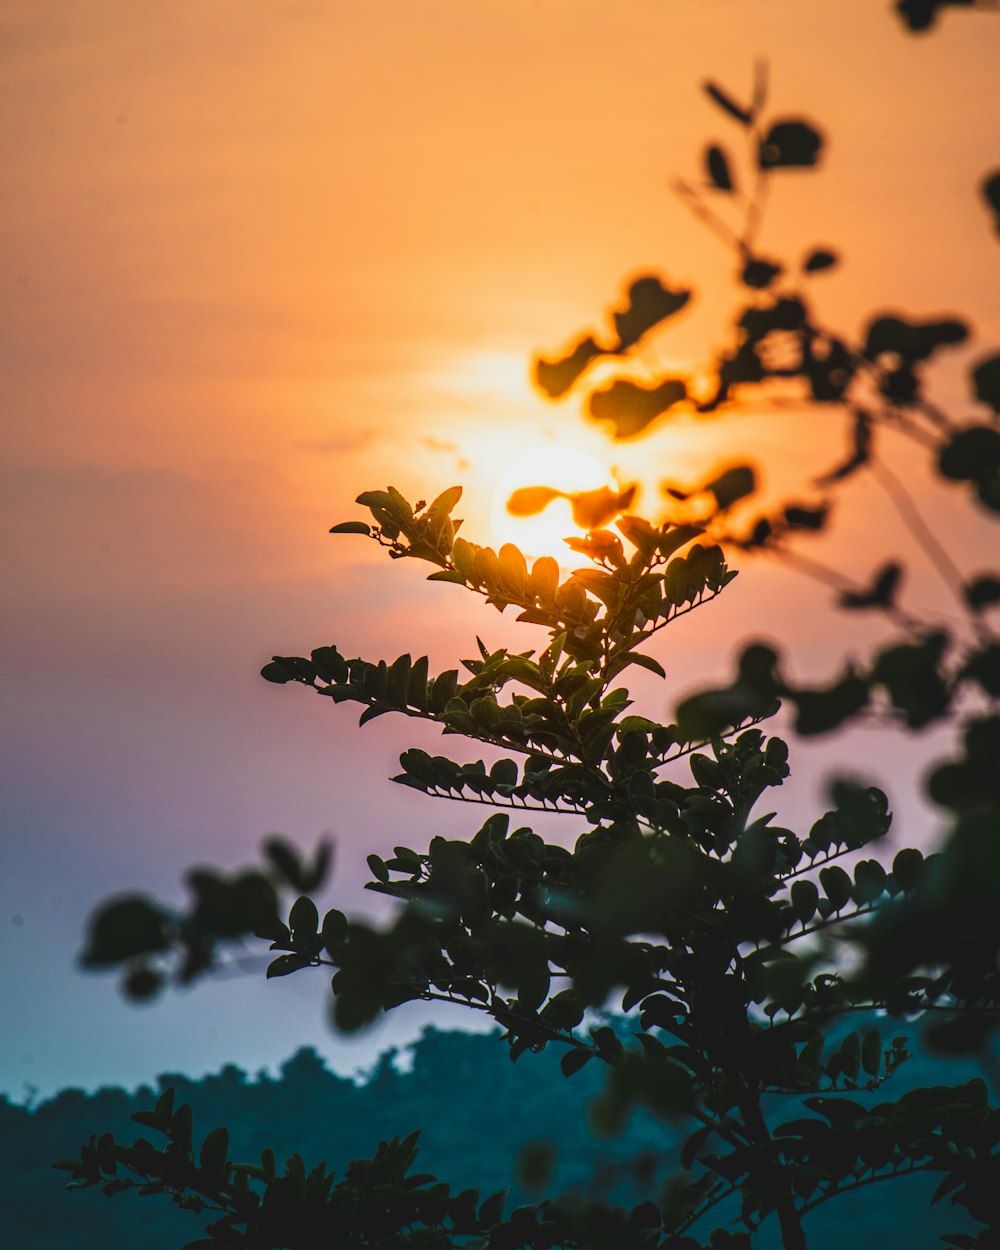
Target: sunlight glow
column 566, row 469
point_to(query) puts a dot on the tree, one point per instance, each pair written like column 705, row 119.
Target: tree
column 723, row 939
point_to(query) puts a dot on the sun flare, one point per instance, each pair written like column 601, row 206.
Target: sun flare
column 562, row 468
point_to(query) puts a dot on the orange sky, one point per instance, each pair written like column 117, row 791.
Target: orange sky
column 260, row 256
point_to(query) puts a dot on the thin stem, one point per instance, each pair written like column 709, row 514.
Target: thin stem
column 922, row 534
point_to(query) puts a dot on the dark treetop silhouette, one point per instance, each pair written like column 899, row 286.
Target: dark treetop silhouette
column 721, row 936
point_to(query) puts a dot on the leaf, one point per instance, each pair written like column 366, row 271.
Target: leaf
column 378, row 868
column 535, row 1164
column 759, row 274
column 443, row 505
column 986, row 381
column 971, row 454
column 982, row 591
column 530, row 500
column 557, row 377
column 649, row 303
column 836, row 885
column 214, row 1151
column 717, row 168
column 727, row 103
column 732, row 485
column 351, row 527
column 805, row 896
column 285, row 964
column 991, row 194
column 881, row 593
column 573, row 1060
column 631, row 407
column 871, row 1052
column 790, row 144
column 647, row 662
column 820, row 258
column 303, row 919
column 447, row 575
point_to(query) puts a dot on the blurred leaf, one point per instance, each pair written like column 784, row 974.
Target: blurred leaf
column 986, row 382
column 759, row 274
column 557, row 377
column 991, row 194
column 631, row 407
column 880, row 593
column 790, row 144
column 123, row 929
column 535, row 1165
column 983, row 591
column 530, row 500
column 727, row 103
column 819, row 258
column 732, row 485
column 971, row 454
column 649, row 303
column 717, row 168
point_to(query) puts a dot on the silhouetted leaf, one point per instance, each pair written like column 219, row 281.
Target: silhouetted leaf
column 983, row 591
column 759, row 274
column 819, row 259
column 727, row 103
column 535, row 1164
column 123, row 929
column 732, row 485
column 881, row 593
column 797, row 517
column 631, row 407
column 912, row 340
column 530, row 500
column 991, row 194
column 351, row 527
column 557, row 377
column 790, row 144
column 649, row 303
column 717, row 168
column 986, row 381
column 920, row 15
column 971, row 454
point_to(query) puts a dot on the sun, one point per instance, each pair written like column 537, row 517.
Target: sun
column 562, row 468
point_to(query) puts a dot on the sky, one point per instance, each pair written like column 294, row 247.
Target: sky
column 259, row 257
